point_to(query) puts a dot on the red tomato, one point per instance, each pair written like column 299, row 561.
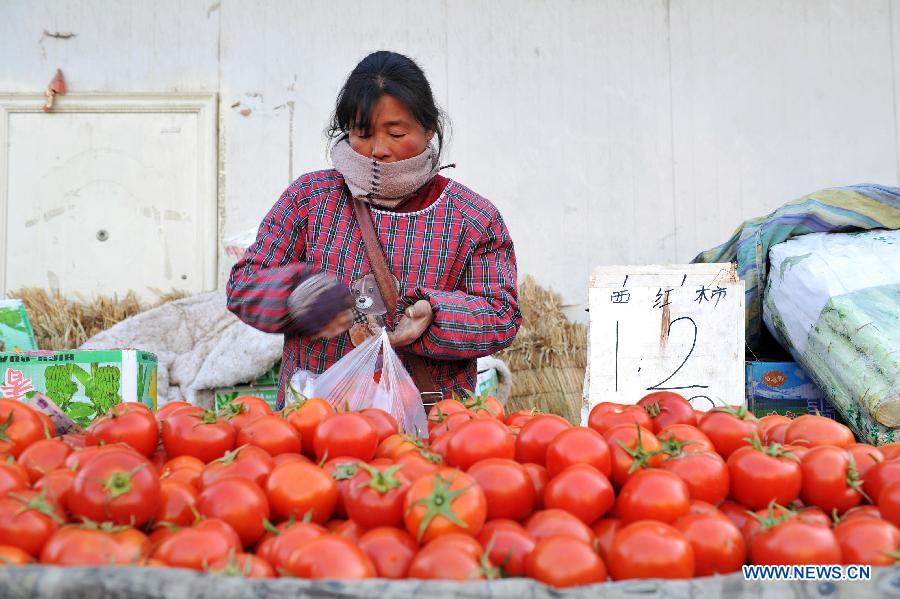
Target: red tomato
column 606, row 415
column 480, row 439
column 349, row 530
column 520, row 417
column 578, row 445
column 632, row 448
column 581, row 490
column 277, row 545
column 666, row 408
column 830, row 481
column 12, row 477
column 539, row 479
column 238, row 502
column 13, row 556
column 305, row 416
column 297, row 488
column 767, row 422
column 418, row 463
column 811, row 430
column 283, row 458
column 329, row 556
column 441, row 410
column 271, row 434
column 507, row 488
column 248, row 461
column 719, row 547
column 562, row 561
column 548, row 523
column 20, row 426
column 116, row 486
column 43, row 456
column 245, row 565
column 684, row 438
column 461, row 541
column 202, row 544
column 384, row 424
column 760, row 475
column 735, row 512
column 130, row 422
column 704, row 473
column 448, row 424
column 445, row 561
column 729, row 429
column 375, row 496
column 653, row 495
column 605, row 531
column 170, row 408
column 650, row 549
column 390, row 549
column 342, row 470
column 795, row 542
column 863, row 511
column 536, row 435
column 485, row 405
column 507, row 544
column 889, row 502
column 87, row 546
column 345, row 434
column 27, row 520
column 775, row 432
column 201, row 435
column 879, row 476
column 395, row 445
column 176, row 502
column 443, row 502
column 56, row 485
column 864, row 457
column 245, row 409
column 868, row 541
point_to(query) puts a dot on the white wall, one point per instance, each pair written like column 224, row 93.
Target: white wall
column 616, row 131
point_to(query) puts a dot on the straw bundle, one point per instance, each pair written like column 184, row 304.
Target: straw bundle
column 61, row 323
column 548, row 357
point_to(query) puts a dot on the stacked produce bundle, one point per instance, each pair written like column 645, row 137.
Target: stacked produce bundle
column 655, row 490
column 834, row 301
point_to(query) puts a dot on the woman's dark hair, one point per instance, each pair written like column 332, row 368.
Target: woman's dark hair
column 381, row 73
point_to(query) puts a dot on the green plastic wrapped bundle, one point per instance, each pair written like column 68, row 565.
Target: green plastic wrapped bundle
column 834, row 301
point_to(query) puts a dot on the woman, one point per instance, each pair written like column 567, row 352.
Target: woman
column 308, row 274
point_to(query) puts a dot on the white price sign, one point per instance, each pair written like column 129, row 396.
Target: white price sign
column 666, row 328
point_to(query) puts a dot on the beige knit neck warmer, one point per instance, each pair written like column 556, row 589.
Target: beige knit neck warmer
column 383, row 184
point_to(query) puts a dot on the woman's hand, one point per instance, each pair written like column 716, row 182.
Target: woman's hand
column 412, row 324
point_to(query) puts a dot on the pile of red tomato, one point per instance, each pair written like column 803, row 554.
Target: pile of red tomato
column 655, row 490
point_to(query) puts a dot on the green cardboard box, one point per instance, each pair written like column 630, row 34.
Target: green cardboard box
column 16, row 334
column 83, row 383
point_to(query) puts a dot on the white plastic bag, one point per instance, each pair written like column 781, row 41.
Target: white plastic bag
column 349, row 385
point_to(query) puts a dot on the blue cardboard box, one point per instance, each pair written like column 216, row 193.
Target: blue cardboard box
column 783, row 388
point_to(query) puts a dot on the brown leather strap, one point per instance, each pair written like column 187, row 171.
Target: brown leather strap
column 385, row 281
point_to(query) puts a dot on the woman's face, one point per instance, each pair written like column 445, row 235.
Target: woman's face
column 395, row 133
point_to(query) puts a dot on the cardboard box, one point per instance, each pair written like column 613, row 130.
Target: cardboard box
column 16, row 334
column 783, row 388
column 225, row 396
column 83, row 383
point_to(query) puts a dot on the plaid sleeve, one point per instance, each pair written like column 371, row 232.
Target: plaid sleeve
column 270, row 268
column 482, row 318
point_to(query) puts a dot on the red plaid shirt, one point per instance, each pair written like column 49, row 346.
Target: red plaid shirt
column 456, row 253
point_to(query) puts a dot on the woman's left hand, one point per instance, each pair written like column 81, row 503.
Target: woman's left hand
column 412, row 324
